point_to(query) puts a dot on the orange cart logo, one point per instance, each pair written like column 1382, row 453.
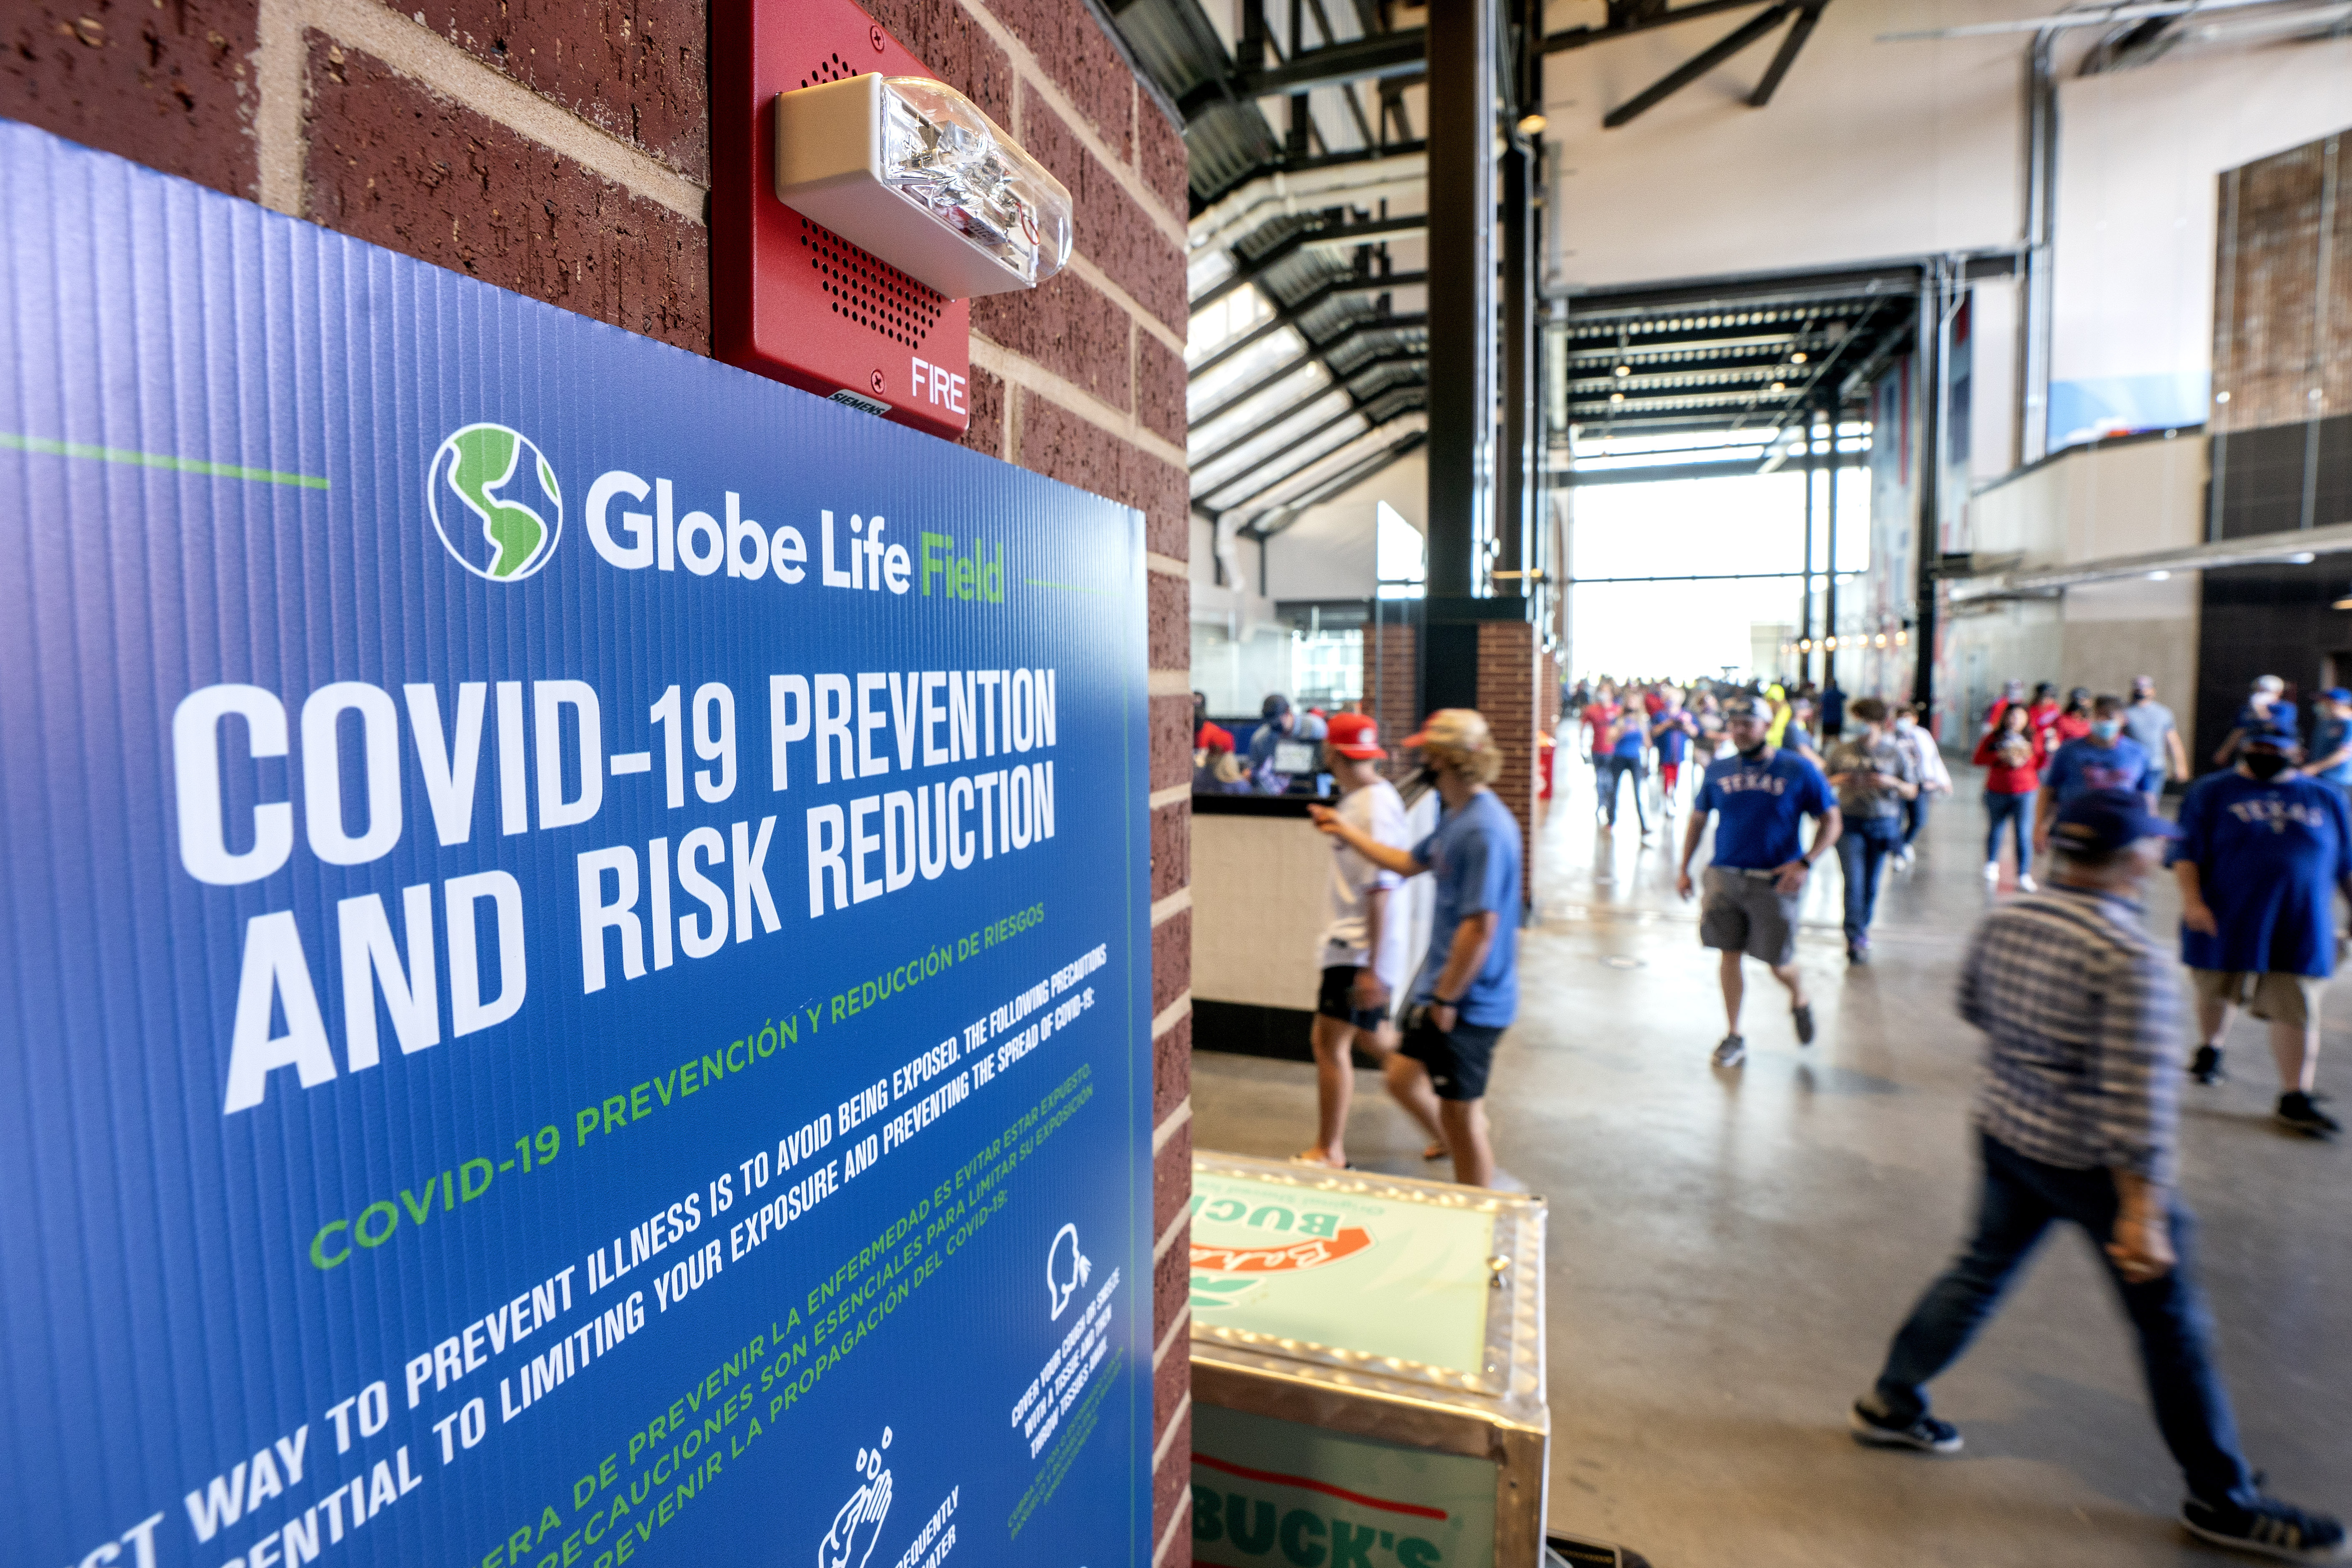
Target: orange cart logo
column 1299, row 1254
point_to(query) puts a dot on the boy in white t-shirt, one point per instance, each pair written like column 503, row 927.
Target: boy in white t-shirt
column 1364, row 941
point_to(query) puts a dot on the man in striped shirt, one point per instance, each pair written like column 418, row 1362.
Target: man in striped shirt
column 2078, row 1121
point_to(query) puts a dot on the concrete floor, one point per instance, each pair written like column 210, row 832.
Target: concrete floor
column 1728, row 1252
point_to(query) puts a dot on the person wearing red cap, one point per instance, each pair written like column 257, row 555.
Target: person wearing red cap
column 1364, row 941
column 1467, row 992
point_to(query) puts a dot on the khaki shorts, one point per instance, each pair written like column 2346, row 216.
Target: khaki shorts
column 1741, row 913
column 2272, row 996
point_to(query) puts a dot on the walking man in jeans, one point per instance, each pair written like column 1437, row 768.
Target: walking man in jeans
column 1873, row 778
column 1468, row 989
column 2078, row 1121
column 1758, row 796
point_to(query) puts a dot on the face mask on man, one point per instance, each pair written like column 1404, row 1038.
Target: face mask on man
column 2265, row 765
column 1905, row 726
column 2106, row 729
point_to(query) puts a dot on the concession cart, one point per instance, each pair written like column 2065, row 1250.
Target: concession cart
column 1368, row 1370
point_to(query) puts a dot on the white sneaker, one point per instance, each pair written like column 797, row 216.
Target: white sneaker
column 2027, row 885
column 1992, row 871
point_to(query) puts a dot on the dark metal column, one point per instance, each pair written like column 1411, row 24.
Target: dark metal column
column 1928, row 537
column 1829, row 507
column 1461, row 293
column 1517, row 451
column 1462, row 125
column 1805, row 631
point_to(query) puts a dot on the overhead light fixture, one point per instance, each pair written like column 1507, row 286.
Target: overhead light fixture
column 1902, row 638
column 1624, row 371
column 1880, row 640
column 1616, row 397
column 2159, row 576
column 1531, row 125
column 1797, row 358
column 1779, row 386
column 1830, row 643
column 2345, row 603
column 2302, row 558
column 1804, row 644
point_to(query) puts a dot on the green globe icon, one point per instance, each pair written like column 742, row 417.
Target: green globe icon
column 495, row 502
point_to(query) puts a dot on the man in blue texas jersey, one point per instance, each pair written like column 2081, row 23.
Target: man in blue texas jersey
column 1758, row 796
column 2263, row 848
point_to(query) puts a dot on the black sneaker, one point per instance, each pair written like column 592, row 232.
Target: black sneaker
column 2206, row 1068
column 2302, row 1112
column 1857, row 956
column 1802, row 1014
column 2268, row 1528
column 1928, row 1434
column 1731, row 1052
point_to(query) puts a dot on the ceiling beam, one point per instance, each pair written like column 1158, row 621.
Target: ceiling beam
column 1313, row 353
column 1370, row 58
column 1697, row 66
column 1337, row 235
column 1799, row 31
column 1348, row 478
column 1582, row 38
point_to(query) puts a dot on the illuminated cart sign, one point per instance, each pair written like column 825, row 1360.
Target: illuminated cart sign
column 575, row 936
column 1368, row 1371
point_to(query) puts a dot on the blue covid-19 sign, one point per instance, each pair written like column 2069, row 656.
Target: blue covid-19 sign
column 574, row 936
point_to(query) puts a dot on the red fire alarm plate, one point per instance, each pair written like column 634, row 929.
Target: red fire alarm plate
column 792, row 298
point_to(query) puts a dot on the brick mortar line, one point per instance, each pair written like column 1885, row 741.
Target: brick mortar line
column 1168, row 1434
column 1175, row 1012
column 1171, row 1125
column 1102, row 283
column 425, row 56
column 1028, row 374
column 1082, row 126
column 1174, row 904
column 1168, row 1340
column 1168, row 1237
column 1168, row 1536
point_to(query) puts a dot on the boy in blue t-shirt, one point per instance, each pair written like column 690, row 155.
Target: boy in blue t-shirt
column 1758, row 796
column 2263, row 848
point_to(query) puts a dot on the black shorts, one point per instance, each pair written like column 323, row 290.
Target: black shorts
column 1457, row 1063
column 1336, row 999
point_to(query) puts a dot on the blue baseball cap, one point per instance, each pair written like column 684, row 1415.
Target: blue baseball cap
column 2105, row 820
column 2270, row 733
column 2337, row 694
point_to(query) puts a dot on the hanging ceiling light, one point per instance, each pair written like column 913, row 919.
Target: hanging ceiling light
column 1624, row 371
column 1797, row 358
column 2345, row 603
column 1616, row 397
column 1779, row 386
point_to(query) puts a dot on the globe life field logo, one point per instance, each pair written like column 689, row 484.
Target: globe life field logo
column 495, row 502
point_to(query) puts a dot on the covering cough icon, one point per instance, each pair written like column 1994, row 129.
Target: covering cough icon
column 858, row 1525
column 1066, row 1269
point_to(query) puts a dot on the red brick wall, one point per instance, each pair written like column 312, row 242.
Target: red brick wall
column 1508, row 674
column 1392, row 676
column 561, row 148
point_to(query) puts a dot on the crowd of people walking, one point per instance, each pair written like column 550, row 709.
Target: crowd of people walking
column 2086, row 1052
